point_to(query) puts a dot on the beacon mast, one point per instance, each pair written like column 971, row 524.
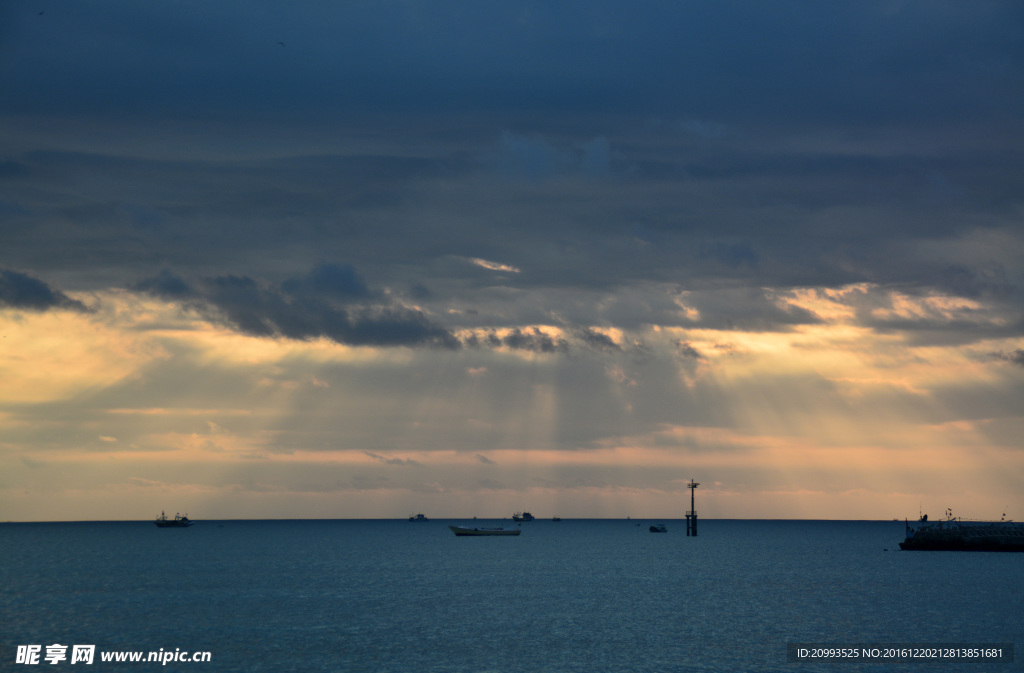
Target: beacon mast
column 691, row 515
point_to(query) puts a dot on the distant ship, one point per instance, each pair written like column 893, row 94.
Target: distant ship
column 956, row 535
column 418, row 517
column 178, row 521
column 525, row 516
column 464, row 531
column 658, row 528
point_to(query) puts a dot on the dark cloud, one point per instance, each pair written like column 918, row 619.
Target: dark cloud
column 392, row 461
column 597, row 340
column 320, row 304
column 14, row 170
column 420, row 291
column 989, row 280
column 528, row 339
column 338, row 281
column 535, row 157
column 687, row 351
column 21, row 291
column 165, row 285
column 730, row 254
column 928, row 312
column 720, row 149
column 533, row 339
column 1016, row 357
column 790, row 60
column 746, row 309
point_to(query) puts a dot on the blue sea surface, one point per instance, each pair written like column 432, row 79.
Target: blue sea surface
column 582, row 596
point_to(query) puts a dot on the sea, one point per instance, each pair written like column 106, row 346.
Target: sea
column 572, row 596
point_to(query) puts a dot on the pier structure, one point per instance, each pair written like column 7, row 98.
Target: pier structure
column 691, row 514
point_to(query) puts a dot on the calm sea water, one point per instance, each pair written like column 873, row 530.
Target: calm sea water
column 578, row 595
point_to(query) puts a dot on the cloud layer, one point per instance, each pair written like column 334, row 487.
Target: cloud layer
column 332, row 301
column 338, row 259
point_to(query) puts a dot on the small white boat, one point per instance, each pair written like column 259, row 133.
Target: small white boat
column 461, row 531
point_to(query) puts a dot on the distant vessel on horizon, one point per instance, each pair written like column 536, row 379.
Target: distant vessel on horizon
column 953, row 534
column 419, row 517
column 178, row 521
column 465, row 531
column 525, row 516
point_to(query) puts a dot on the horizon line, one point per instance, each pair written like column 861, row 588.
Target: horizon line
column 466, row 518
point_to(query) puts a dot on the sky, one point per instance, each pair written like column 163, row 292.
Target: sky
column 368, row 259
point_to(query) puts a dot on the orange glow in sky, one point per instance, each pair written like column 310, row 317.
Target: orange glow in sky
column 112, row 415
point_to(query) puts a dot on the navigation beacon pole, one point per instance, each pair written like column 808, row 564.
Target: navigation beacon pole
column 691, row 516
